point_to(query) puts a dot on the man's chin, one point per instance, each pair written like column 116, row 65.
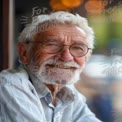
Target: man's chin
column 60, row 80
column 57, row 82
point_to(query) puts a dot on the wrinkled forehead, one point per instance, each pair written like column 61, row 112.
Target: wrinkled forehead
column 54, row 29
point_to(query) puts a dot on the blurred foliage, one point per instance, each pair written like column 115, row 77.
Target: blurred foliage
column 108, row 29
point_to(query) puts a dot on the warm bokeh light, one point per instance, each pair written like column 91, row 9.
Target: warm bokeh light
column 95, row 6
column 57, row 5
column 72, row 3
column 67, row 5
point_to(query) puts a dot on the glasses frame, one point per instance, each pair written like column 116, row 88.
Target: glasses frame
column 44, row 44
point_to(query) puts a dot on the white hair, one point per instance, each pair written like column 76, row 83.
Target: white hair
column 58, row 17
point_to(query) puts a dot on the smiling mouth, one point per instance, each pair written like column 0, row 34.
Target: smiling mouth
column 60, row 66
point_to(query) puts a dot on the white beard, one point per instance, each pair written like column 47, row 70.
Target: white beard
column 56, row 75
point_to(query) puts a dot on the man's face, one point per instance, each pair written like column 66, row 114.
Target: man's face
column 62, row 67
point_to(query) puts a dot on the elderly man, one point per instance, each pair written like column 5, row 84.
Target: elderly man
column 53, row 50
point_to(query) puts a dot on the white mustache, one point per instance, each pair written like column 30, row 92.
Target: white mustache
column 61, row 64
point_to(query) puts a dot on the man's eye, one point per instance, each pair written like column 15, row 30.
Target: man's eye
column 51, row 44
column 77, row 48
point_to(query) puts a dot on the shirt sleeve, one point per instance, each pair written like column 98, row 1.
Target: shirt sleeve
column 17, row 103
column 81, row 111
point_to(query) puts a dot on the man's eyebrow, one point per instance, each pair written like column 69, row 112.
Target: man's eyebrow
column 78, row 41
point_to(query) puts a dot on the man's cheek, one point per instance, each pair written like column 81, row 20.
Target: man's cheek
column 81, row 61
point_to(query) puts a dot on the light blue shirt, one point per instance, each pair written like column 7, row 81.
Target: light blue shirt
column 25, row 100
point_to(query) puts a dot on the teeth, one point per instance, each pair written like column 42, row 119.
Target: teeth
column 58, row 66
column 61, row 66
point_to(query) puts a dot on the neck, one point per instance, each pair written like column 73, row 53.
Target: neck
column 54, row 90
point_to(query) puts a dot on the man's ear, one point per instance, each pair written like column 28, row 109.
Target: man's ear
column 22, row 51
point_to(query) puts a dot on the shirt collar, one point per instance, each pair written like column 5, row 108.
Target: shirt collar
column 66, row 94
column 40, row 87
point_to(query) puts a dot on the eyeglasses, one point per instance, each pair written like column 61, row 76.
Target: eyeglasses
column 53, row 47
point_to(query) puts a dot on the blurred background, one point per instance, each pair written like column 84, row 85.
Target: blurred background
column 101, row 80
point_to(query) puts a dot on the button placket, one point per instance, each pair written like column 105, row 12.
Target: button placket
column 58, row 116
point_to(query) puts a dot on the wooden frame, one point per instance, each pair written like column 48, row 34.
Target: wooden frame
column 6, row 20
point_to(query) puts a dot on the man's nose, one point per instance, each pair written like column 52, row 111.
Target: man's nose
column 65, row 54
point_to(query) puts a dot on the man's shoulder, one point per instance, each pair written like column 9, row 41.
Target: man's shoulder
column 13, row 76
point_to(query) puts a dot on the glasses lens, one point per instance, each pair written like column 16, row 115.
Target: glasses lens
column 78, row 50
column 52, row 47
